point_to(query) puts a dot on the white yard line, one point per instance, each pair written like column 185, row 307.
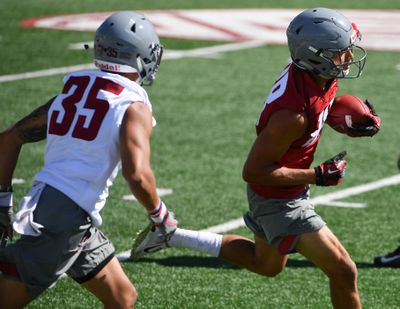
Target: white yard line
column 169, row 55
column 160, row 191
column 43, row 73
column 345, row 204
column 326, row 199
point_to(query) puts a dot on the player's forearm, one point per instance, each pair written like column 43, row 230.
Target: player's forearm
column 280, row 176
column 143, row 187
column 10, row 147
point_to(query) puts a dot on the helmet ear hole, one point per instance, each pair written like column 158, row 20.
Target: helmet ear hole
column 133, row 28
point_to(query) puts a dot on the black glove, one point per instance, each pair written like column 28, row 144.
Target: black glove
column 6, row 220
column 370, row 130
column 331, row 172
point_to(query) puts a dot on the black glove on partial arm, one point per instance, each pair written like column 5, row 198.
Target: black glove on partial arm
column 357, row 130
column 331, row 172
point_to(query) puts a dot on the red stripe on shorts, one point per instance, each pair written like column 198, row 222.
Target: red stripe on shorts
column 9, row 269
column 286, row 245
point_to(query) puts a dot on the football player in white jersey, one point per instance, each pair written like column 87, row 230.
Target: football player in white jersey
column 100, row 122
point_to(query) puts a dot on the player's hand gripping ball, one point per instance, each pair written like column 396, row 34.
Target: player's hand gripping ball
column 352, row 116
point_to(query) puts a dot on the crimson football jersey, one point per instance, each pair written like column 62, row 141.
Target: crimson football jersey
column 296, row 91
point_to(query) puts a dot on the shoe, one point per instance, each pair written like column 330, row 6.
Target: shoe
column 391, row 259
column 147, row 241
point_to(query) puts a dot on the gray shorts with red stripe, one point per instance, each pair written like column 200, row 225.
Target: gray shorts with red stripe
column 68, row 243
column 281, row 221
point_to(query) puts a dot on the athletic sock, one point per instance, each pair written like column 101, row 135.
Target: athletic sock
column 205, row 242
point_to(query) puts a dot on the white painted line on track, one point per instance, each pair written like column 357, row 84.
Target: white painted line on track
column 325, row 199
column 169, row 55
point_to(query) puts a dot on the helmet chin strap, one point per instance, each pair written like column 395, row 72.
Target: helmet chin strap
column 114, row 67
column 118, row 68
column 139, row 80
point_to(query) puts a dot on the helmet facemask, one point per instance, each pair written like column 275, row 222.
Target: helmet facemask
column 148, row 67
column 348, row 69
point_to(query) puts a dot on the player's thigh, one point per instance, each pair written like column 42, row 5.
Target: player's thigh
column 13, row 294
column 269, row 255
column 111, row 284
column 323, row 249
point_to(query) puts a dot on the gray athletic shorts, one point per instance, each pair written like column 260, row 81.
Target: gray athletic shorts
column 69, row 244
column 281, row 221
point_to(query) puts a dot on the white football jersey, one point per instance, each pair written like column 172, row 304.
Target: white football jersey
column 82, row 155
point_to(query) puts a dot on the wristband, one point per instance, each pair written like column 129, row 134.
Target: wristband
column 6, row 199
column 319, row 180
column 158, row 215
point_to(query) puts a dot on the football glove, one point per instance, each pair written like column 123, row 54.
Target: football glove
column 331, row 172
column 361, row 130
column 163, row 221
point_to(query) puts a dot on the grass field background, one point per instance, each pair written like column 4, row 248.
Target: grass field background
column 206, row 110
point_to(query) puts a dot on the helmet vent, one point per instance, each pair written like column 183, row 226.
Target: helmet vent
column 298, row 30
column 112, row 24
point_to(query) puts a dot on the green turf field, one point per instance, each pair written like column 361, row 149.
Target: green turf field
column 206, row 109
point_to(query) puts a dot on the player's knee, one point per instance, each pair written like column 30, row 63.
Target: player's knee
column 268, row 270
column 125, row 298
column 271, row 272
column 128, row 297
column 345, row 272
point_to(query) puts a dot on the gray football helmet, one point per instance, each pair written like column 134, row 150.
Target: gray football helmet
column 127, row 42
column 316, row 35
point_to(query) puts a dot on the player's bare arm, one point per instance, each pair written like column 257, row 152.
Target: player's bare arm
column 135, row 155
column 284, row 127
column 31, row 128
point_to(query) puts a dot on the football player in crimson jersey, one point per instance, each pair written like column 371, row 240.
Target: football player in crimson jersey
column 323, row 47
column 100, row 119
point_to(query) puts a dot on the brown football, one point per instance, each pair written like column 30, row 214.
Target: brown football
column 347, row 110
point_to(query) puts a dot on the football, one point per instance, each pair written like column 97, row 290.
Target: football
column 348, row 110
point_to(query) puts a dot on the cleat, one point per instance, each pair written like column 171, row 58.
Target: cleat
column 391, row 259
column 147, row 241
